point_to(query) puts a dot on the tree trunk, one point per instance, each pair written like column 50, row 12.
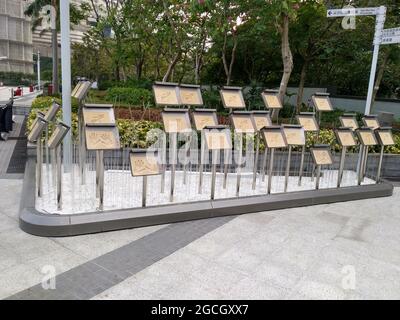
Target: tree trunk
column 300, row 93
column 171, row 67
column 287, row 57
column 233, row 56
column 54, row 44
column 379, row 77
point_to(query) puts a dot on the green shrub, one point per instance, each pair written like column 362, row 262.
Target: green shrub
column 134, row 96
column 212, row 100
column 16, row 78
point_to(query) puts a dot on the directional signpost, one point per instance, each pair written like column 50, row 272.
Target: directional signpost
column 390, row 36
column 380, row 13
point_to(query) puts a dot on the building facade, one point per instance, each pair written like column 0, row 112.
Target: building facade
column 16, row 48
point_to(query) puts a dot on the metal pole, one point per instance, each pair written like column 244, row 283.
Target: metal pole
column 185, row 164
column 66, row 79
column 226, row 164
column 361, row 161
column 264, row 165
column 288, row 168
column 54, row 167
column 39, row 160
column 173, row 137
column 47, row 148
column 270, row 171
column 82, row 149
column 164, row 162
column 38, row 69
column 318, row 177
column 380, row 22
column 98, row 174
column 59, row 177
column 378, row 175
column 144, row 191
column 54, row 40
column 214, row 173
column 239, row 165
column 365, row 162
column 257, row 137
column 303, row 153
column 101, row 180
column 201, row 167
column 341, row 166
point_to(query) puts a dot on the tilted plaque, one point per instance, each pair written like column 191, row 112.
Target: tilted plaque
column 345, row 137
column 242, row 122
column 274, row 137
column 218, row 137
column 60, row 131
column 371, row 122
column 190, row 95
column 144, row 163
column 367, row 137
column 322, row 102
column 102, row 137
column 204, row 118
column 385, row 136
column 98, row 114
column 52, row 112
column 271, row 99
column 349, row 121
column 166, row 94
column 261, row 119
column 295, row 135
column 232, row 98
column 321, row 155
column 38, row 125
column 82, row 90
column 308, row 121
column 176, row 120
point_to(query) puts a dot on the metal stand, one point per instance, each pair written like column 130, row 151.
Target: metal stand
column 365, row 161
column 239, row 165
column 226, row 166
column 163, row 162
column 201, row 166
column 47, row 148
column 173, row 149
column 144, row 191
column 264, row 166
column 82, row 150
column 303, row 153
column 100, row 177
column 270, row 171
column 213, row 173
column 39, row 161
column 257, row 137
column 288, row 168
column 378, row 175
column 318, row 177
column 361, row 163
column 341, row 166
column 54, row 167
column 187, row 155
column 59, row 177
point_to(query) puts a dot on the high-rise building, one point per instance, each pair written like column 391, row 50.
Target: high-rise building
column 15, row 37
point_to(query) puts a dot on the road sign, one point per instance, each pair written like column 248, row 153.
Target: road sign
column 390, row 40
column 349, row 12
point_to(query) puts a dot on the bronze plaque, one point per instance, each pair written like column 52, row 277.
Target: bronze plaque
column 349, row 122
column 58, row 135
column 309, row 123
column 176, row 122
column 82, row 90
column 76, row 88
column 371, row 123
column 322, row 103
column 367, row 137
column 204, row 119
column 322, row 156
column 218, row 139
column 271, row 100
column 102, row 138
column 191, row 96
column 346, row 138
column 144, row 164
column 166, row 95
column 261, row 120
column 274, row 138
column 52, row 112
column 233, row 99
column 242, row 123
column 98, row 116
column 295, row 136
column 38, row 125
column 385, row 137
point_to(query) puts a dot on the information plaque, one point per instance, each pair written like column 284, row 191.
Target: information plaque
column 345, row 137
column 190, row 95
column 371, row 122
column 261, row 119
column 144, row 163
column 274, row 137
column 349, row 121
column 242, row 122
column 385, row 136
column 308, row 121
column 204, row 118
column 167, row 94
column 232, row 98
column 218, row 137
column 367, row 137
column 60, row 131
column 176, row 120
column 322, row 102
column 294, row 134
column 271, row 99
column 102, row 137
column 82, row 90
column 38, row 125
column 52, row 112
column 321, row 155
column 98, row 114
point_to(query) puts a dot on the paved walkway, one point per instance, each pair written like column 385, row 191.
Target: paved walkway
column 338, row 251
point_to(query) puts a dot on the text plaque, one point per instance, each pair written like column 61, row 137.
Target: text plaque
column 144, row 163
column 274, row 137
column 232, row 98
column 218, row 138
column 176, row 120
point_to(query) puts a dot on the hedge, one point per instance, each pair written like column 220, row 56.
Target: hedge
column 132, row 96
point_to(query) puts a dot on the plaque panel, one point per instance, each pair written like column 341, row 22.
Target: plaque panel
column 218, row 138
column 102, row 137
column 349, row 122
column 242, row 122
column 144, row 163
column 82, row 90
column 58, row 135
column 346, row 137
column 322, row 155
column 204, row 118
column 176, row 121
column 52, row 112
column 295, row 135
column 166, row 94
column 385, row 137
column 38, row 125
column 98, row 116
column 271, row 100
column 367, row 137
column 191, row 95
column 371, row 122
column 322, row 103
column 308, row 122
column 261, row 119
column 274, row 137
column 232, row 98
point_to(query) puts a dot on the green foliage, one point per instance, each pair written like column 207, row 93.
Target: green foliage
column 212, row 99
column 133, row 133
column 42, row 103
column 132, row 96
column 16, row 78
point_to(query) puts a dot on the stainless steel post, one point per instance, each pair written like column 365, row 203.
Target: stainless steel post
column 185, row 164
column 97, row 174
column 39, row 164
column 101, row 179
column 144, row 191
column 226, row 166
column 361, row 161
column 289, row 159
column 303, row 153
column 173, row 165
column 257, row 137
column 365, row 161
column 164, row 162
column 213, row 173
column 270, row 171
column 239, row 165
column 53, row 157
column 59, row 177
column 201, row 166
column 318, row 178
column 264, row 166
column 47, row 150
column 378, row 175
column 82, row 149
column 341, row 166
